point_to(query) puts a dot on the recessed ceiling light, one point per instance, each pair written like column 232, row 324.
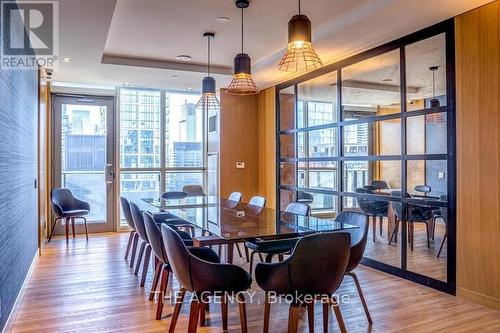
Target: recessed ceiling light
column 189, row 88
column 183, row 57
column 126, row 84
column 175, row 76
column 67, row 60
column 223, row 19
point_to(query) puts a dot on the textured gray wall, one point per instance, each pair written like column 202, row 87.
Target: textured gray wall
column 18, row 170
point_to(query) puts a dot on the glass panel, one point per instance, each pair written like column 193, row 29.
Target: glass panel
column 139, row 128
column 137, row 186
column 378, row 138
column 426, row 73
column 427, row 228
column 320, row 175
column 177, row 180
column 427, row 178
column 83, row 153
column 322, row 143
column 317, row 100
column 382, row 176
column 287, row 108
column 183, row 131
column 372, row 87
column 287, row 145
column 324, row 205
column 427, row 134
column 286, row 197
column 288, row 173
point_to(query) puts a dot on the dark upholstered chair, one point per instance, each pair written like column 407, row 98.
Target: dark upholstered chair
column 133, row 238
column 202, row 277
column 276, row 247
column 145, row 248
column 193, row 190
column 305, row 197
column 373, row 208
column 415, row 214
column 67, row 207
column 444, row 216
column 359, row 237
column 379, row 184
column 315, row 269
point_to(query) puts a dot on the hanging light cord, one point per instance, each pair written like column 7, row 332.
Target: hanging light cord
column 208, row 55
column 241, row 30
column 299, row 7
column 433, row 84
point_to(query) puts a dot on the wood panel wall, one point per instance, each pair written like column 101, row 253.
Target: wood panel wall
column 18, row 172
column 478, row 154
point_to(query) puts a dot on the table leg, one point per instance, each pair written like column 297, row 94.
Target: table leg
column 229, row 253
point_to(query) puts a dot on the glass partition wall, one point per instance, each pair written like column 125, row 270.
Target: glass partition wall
column 162, row 145
column 376, row 133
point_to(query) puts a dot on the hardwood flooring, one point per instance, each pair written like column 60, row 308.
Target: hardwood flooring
column 88, row 287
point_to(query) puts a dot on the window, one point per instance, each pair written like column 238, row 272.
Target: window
column 161, row 142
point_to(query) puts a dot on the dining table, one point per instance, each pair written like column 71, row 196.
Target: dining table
column 225, row 222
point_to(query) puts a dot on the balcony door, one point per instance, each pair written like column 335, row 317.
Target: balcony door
column 83, row 154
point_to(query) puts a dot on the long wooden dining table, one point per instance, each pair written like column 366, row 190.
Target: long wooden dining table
column 224, row 222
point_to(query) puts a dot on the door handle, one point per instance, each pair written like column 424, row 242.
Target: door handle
column 109, row 175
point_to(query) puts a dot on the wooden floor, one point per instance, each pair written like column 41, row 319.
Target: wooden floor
column 89, row 288
column 422, row 260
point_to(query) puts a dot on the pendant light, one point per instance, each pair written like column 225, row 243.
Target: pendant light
column 208, row 100
column 300, row 53
column 434, row 101
column 242, row 83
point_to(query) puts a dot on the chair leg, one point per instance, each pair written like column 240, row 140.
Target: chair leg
column 156, row 279
column 293, row 318
column 442, row 243
column 147, row 257
column 194, row 313
column 86, row 229
column 310, row 316
column 239, row 250
column 177, row 309
column 280, row 257
column 73, row 227
column 374, row 227
column 412, row 234
column 66, row 225
column 394, row 232
column 250, row 268
column 139, row 258
column 223, row 305
column 269, row 257
column 203, row 310
column 134, row 249
column 247, row 257
column 267, row 313
column 338, row 315
column 243, row 312
column 163, row 289
column 427, row 229
column 326, row 306
column 380, row 221
column 361, row 296
column 261, row 257
column 129, row 243
column 53, row 228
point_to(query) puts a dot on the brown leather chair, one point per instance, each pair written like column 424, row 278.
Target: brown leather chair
column 134, row 236
column 315, row 269
column 359, row 238
column 203, row 277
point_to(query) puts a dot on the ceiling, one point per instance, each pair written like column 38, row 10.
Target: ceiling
column 115, row 41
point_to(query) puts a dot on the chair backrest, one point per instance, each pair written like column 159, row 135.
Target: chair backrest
column 138, row 221
column 193, row 190
column 258, row 201
column 369, row 206
column 126, row 212
column 423, row 188
column 305, row 197
column 62, row 200
column 415, row 213
column 379, row 184
column 359, row 235
column 298, row 208
column 178, row 256
column 174, row 195
column 235, row 196
column 154, row 237
column 316, row 266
